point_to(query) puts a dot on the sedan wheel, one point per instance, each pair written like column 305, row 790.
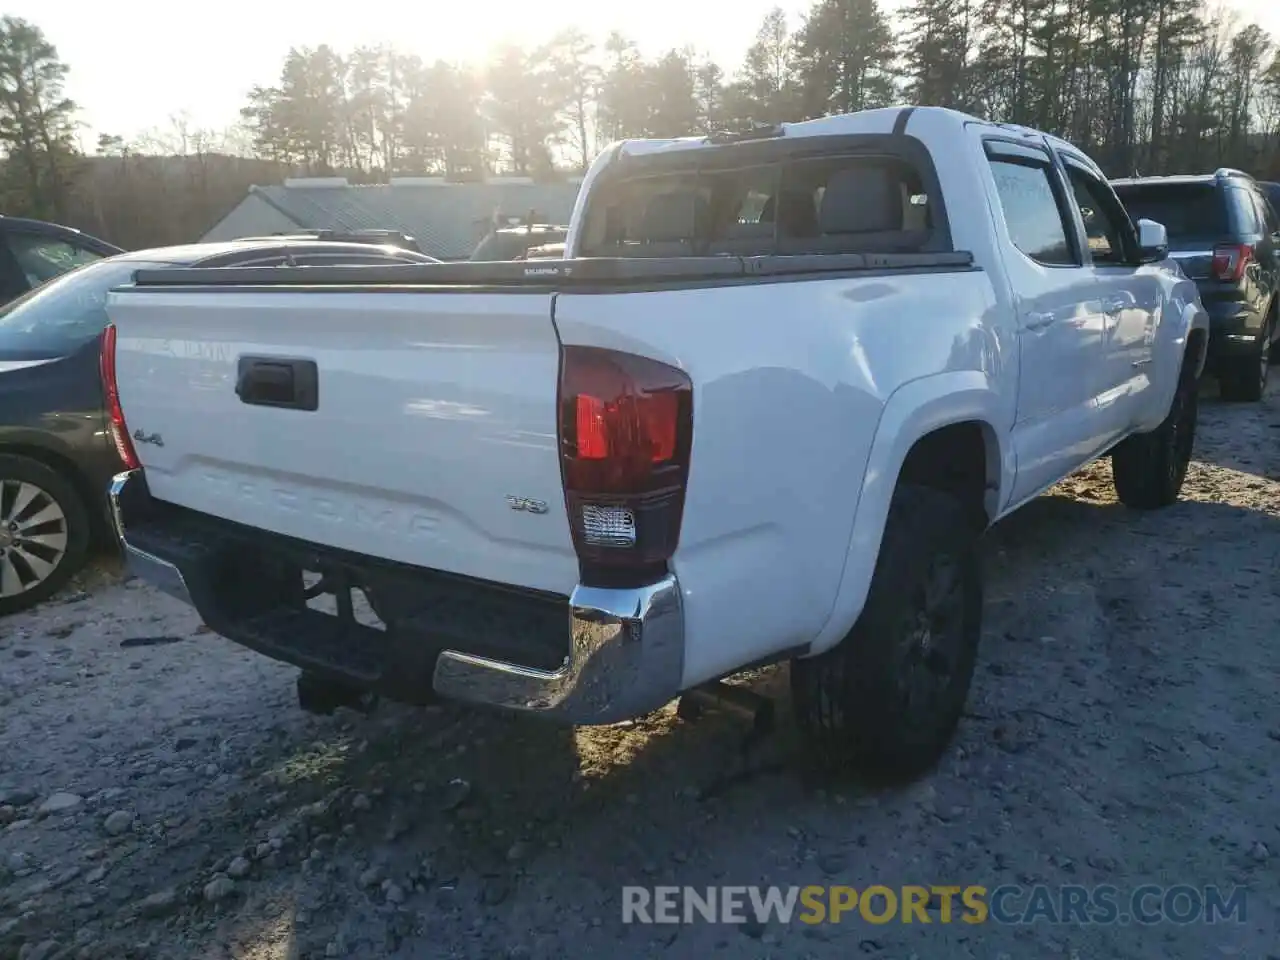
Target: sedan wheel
column 43, row 532
column 33, row 537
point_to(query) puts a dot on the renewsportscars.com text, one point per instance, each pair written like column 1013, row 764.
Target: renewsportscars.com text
column 973, row 904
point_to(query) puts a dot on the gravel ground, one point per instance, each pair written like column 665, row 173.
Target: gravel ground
column 162, row 796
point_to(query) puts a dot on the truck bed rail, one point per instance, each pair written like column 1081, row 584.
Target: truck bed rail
column 551, row 274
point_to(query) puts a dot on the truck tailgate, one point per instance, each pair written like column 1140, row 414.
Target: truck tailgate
column 433, row 435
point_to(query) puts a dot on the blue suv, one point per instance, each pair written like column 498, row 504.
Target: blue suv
column 1224, row 230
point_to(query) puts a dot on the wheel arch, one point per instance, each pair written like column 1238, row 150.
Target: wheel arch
column 942, row 432
column 1195, row 330
column 961, row 458
column 1197, row 351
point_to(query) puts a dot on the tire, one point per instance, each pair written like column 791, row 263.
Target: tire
column 44, row 532
column 1149, row 468
column 887, row 698
column 1245, row 380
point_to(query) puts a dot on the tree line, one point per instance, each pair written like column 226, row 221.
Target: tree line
column 1145, row 86
column 1150, row 86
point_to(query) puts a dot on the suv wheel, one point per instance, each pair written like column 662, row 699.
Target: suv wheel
column 44, row 532
column 1246, row 379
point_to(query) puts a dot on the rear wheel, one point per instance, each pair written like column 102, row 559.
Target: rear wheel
column 1245, row 379
column 888, row 697
column 1149, row 468
column 44, row 532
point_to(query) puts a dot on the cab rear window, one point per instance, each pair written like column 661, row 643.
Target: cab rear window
column 831, row 204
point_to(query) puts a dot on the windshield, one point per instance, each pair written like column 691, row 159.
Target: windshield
column 1189, row 212
column 61, row 315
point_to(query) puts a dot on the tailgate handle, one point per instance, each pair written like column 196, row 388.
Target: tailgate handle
column 278, row 382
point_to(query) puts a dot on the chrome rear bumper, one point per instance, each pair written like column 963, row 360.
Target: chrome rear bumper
column 626, row 659
column 626, row 650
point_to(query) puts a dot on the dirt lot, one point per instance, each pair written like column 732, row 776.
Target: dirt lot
column 167, row 799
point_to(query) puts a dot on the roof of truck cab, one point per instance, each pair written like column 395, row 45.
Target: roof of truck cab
column 931, row 121
column 880, row 120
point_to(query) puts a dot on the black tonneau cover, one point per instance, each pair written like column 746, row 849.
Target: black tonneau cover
column 555, row 274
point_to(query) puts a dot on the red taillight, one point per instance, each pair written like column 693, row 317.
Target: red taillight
column 1230, row 261
column 115, row 416
column 626, row 427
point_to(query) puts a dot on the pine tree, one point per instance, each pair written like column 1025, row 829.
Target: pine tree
column 846, row 57
column 37, row 120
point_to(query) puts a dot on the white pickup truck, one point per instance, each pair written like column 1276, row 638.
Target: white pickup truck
column 762, row 410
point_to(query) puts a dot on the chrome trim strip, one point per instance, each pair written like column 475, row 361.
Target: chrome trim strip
column 626, row 659
column 118, row 484
column 161, row 574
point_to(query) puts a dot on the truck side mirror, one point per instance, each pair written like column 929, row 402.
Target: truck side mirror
column 1153, row 241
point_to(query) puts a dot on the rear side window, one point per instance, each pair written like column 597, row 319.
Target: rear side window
column 1189, row 211
column 1247, row 218
column 1266, row 215
column 868, row 203
column 43, row 258
column 1031, row 212
column 1272, row 193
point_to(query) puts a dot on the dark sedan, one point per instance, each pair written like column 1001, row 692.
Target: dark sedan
column 56, row 455
column 33, row 252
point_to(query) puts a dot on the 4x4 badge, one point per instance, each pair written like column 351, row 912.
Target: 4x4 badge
column 152, row 438
column 527, row 505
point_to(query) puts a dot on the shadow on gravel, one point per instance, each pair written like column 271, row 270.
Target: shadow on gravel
column 1240, row 436
column 1057, row 520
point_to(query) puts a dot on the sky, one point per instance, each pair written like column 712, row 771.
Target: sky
column 135, row 63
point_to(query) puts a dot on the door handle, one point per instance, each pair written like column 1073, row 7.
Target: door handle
column 293, row 384
column 1114, row 305
column 1038, row 321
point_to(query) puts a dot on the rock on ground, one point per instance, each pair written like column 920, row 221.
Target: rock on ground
column 117, row 822
column 61, row 803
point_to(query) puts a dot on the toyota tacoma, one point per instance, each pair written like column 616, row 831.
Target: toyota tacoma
column 762, row 410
